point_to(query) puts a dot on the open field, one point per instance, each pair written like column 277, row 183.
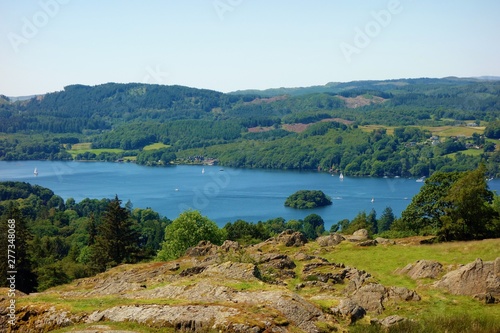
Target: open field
column 155, row 146
column 81, row 148
column 447, row 131
column 442, row 131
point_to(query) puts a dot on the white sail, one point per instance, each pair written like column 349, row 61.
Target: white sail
column 35, row 172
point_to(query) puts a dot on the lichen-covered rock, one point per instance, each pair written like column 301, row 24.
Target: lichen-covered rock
column 350, row 310
column 369, row 242
column 330, row 240
column 193, row 318
column 33, row 319
column 370, row 297
column 203, row 248
column 477, row 277
column 422, row 269
column 385, row 241
column 403, row 294
column 233, row 270
column 389, row 321
column 291, row 238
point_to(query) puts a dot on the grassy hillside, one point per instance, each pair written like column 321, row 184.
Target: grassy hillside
column 437, row 311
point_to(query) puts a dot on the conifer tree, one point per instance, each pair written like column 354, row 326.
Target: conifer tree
column 25, row 278
column 117, row 239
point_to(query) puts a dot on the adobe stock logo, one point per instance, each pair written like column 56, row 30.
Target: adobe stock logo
column 363, row 37
column 215, row 184
column 31, row 27
column 221, row 7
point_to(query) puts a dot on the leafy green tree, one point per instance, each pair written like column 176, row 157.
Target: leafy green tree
column 186, row 231
column 295, row 225
column 275, row 226
column 423, row 214
column 469, row 213
column 117, row 238
column 361, row 221
column 314, row 226
column 246, row 232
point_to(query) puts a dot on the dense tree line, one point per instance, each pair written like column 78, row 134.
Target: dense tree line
column 67, row 240
column 328, row 147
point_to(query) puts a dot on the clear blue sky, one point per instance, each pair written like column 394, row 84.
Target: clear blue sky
column 227, row 45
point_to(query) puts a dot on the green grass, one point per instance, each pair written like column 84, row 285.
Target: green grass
column 156, row 146
column 382, row 261
column 80, row 148
column 470, row 152
column 447, row 131
column 436, row 306
column 90, row 304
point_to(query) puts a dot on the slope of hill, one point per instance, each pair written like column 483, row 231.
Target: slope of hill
column 282, row 285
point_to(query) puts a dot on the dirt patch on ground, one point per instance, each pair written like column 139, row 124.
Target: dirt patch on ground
column 259, row 129
column 267, row 100
column 360, row 101
column 297, row 128
column 338, row 120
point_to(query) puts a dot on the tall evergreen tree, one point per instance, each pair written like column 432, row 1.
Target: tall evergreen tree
column 117, row 239
column 26, row 280
column 386, row 219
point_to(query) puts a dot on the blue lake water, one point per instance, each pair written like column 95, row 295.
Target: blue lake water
column 222, row 194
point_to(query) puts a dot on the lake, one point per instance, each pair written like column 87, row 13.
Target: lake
column 222, row 194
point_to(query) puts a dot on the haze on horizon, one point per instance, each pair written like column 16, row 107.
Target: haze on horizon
column 229, row 45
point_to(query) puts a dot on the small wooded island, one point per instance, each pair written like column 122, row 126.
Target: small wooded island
column 305, row 199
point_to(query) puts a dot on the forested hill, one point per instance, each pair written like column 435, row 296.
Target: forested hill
column 403, row 85
column 366, row 127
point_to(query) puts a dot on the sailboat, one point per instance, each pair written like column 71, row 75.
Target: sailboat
column 203, row 170
column 35, row 172
column 341, row 176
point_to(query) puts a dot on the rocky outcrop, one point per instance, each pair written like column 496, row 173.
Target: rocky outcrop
column 422, row 269
column 291, row 238
column 359, row 235
column 204, row 248
column 389, row 321
column 275, row 266
column 31, row 318
column 349, row 310
column 384, row 241
column 373, row 296
column 232, row 271
column 357, row 279
column 330, row 240
column 188, row 318
column 475, row 278
column 369, row 242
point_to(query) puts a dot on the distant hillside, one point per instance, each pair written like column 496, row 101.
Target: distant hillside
column 117, row 121
column 382, row 85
